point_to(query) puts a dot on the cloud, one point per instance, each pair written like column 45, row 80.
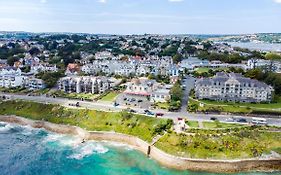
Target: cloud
column 102, row 1
column 175, row 0
column 277, row 1
column 43, row 1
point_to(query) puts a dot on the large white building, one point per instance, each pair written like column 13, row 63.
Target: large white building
column 86, row 84
column 10, row 77
column 233, row 87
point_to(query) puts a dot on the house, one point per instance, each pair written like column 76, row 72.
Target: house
column 103, row 55
column 161, row 95
column 264, row 64
column 34, row 83
column 43, row 67
column 144, row 87
column 72, row 69
column 3, row 63
column 193, row 62
column 233, row 87
column 86, row 84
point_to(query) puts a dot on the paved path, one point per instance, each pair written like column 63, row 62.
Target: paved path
column 189, row 84
column 109, row 107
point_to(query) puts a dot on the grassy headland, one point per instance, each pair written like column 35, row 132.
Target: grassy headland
column 229, row 143
column 238, row 143
column 143, row 127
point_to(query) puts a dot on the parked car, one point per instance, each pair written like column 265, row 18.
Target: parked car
column 159, row 114
column 72, row 104
column 116, row 104
column 214, row 119
column 148, row 112
column 241, row 120
column 231, row 119
column 259, row 121
column 132, row 111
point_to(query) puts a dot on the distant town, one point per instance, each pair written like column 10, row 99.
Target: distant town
column 155, row 73
column 189, row 96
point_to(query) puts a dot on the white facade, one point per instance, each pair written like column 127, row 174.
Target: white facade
column 86, row 84
column 11, row 77
column 43, row 68
column 148, row 88
column 233, row 87
column 34, row 83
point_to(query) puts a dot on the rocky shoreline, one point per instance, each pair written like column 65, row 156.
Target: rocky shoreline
column 167, row 160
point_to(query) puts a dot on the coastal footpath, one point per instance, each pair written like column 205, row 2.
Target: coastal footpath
column 217, row 166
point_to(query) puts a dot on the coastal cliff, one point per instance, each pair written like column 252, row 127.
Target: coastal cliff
column 167, row 160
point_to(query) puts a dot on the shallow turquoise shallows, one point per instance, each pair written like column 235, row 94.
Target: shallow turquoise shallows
column 27, row 151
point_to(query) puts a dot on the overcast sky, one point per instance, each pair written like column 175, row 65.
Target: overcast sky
column 141, row 16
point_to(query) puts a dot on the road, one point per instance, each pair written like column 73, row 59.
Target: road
column 109, row 107
column 188, row 83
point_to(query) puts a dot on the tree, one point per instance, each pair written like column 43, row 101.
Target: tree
column 12, row 60
column 176, row 92
column 177, row 58
column 50, row 78
column 273, row 56
column 34, row 51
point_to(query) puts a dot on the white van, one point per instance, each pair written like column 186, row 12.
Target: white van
column 259, row 121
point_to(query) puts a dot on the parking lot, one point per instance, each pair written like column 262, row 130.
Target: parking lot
column 133, row 101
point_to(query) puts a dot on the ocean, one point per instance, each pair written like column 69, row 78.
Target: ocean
column 28, row 151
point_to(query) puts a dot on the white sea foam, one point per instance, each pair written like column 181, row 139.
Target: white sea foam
column 28, row 130
column 120, row 145
column 6, row 127
column 63, row 140
column 87, row 149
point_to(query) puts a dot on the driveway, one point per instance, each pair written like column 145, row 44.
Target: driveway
column 189, row 84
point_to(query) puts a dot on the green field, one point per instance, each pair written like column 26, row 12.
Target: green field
column 219, row 125
column 205, row 69
column 162, row 105
column 230, row 107
column 110, row 97
column 193, row 124
column 143, row 127
column 84, row 96
column 234, row 144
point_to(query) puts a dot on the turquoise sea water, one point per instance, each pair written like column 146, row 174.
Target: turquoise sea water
column 28, row 151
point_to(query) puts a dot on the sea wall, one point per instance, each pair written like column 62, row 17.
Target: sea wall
column 167, row 160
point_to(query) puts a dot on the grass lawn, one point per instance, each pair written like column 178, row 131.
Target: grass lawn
column 251, row 105
column 162, row 105
column 193, row 124
column 213, row 125
column 18, row 90
column 236, row 107
column 240, row 143
column 110, row 97
column 75, row 95
column 230, row 108
column 141, row 126
column 205, row 69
